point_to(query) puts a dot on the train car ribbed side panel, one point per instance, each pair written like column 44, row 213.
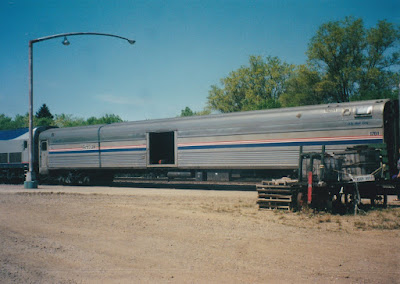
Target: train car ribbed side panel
column 278, row 157
column 123, row 160
column 73, row 161
column 123, row 154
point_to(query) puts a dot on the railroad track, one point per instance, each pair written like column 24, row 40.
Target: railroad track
column 183, row 184
column 165, row 183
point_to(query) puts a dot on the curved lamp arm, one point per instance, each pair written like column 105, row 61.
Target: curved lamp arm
column 131, row 41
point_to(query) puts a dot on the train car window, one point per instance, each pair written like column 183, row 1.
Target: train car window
column 162, row 148
column 25, row 144
column 16, row 157
column 44, row 146
column 3, row 158
column 363, row 111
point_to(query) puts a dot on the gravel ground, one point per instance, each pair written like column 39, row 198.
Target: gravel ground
column 58, row 234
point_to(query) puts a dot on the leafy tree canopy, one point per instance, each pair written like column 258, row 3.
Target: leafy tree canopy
column 189, row 112
column 7, row 123
column 346, row 61
column 252, row 87
column 356, row 63
column 105, row 119
column 43, row 116
column 68, row 120
column 305, row 87
column 59, row 120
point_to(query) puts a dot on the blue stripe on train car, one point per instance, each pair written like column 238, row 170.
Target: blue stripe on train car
column 74, row 152
column 123, row 150
column 97, row 151
column 283, row 144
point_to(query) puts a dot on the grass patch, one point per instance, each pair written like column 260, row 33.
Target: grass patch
column 384, row 219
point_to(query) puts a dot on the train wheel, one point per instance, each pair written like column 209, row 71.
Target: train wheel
column 68, row 180
column 86, row 180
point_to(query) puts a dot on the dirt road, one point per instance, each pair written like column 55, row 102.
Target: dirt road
column 94, row 234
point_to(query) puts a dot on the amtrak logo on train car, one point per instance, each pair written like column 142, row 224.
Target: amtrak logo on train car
column 88, row 147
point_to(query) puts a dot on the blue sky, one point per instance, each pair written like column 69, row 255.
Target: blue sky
column 182, row 48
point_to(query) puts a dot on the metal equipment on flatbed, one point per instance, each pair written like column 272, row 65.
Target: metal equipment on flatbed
column 335, row 182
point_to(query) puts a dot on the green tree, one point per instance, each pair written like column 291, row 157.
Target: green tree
column 44, row 121
column 43, row 117
column 377, row 79
column 5, row 122
column 354, row 62
column 68, row 120
column 44, row 112
column 257, row 86
column 306, row 87
column 61, row 120
column 189, row 112
column 105, row 119
column 21, row 121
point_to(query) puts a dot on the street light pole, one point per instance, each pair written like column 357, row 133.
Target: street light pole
column 30, row 181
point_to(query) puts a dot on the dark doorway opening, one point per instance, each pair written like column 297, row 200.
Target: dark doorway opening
column 162, row 148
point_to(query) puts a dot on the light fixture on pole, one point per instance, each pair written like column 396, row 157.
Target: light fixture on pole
column 30, row 180
column 65, row 41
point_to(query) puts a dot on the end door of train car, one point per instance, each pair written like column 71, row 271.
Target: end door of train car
column 43, row 157
column 391, row 134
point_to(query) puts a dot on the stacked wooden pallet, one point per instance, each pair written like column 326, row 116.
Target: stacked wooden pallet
column 276, row 194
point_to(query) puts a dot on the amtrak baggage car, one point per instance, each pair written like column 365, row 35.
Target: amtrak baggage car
column 226, row 143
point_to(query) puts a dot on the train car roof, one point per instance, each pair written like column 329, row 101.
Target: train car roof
column 280, row 113
column 265, row 111
column 220, row 119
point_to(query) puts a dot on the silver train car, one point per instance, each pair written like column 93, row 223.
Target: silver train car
column 218, row 147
